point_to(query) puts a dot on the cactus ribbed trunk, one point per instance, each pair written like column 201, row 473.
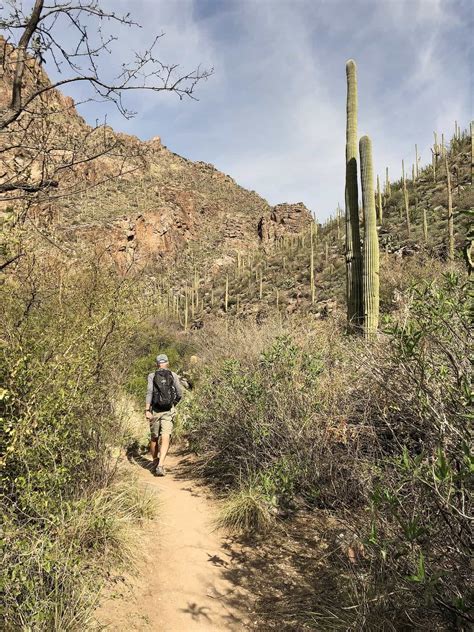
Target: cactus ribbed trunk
column 371, row 242
column 388, row 189
column 379, row 201
column 472, row 152
column 311, row 263
column 353, row 250
column 186, row 309
column 405, row 199
column 450, row 212
column 425, row 226
column 416, row 162
column 226, row 297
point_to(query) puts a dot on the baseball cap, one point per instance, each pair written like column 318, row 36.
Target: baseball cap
column 162, row 358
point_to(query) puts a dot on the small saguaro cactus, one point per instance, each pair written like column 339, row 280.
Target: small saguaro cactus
column 338, row 222
column 472, row 152
column 186, row 309
column 388, row 189
column 417, row 159
column 425, row 225
column 379, row 201
column 405, row 199
column 371, row 242
column 353, row 249
column 450, row 212
column 311, row 265
column 226, row 296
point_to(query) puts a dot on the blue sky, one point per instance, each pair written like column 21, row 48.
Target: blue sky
column 273, row 113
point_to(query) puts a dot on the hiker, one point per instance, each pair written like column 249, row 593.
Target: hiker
column 163, row 392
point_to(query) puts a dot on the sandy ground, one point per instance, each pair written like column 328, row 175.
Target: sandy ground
column 184, row 581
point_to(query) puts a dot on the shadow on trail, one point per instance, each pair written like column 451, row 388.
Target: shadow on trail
column 134, row 455
column 290, row 577
column 197, row 612
column 300, row 574
column 293, row 573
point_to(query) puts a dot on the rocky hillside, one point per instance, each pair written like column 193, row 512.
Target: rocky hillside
column 278, row 279
column 138, row 200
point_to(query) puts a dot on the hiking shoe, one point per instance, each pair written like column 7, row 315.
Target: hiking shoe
column 160, row 471
column 153, row 468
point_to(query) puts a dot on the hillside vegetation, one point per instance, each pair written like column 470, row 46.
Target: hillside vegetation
column 343, row 461
column 276, row 278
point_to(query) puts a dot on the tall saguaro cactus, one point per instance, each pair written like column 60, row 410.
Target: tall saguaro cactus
column 353, row 250
column 371, row 242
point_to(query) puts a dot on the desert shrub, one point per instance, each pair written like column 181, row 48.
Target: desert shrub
column 269, row 416
column 418, row 501
column 65, row 346
column 375, row 435
column 247, row 510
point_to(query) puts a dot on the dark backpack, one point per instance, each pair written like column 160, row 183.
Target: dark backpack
column 164, row 390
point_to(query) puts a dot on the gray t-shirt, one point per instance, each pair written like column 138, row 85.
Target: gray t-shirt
column 149, row 388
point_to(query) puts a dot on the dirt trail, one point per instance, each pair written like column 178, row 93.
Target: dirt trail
column 185, row 581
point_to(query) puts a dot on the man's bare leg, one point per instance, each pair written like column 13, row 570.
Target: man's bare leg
column 165, row 444
column 154, row 451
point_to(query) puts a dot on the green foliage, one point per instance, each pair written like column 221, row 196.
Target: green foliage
column 264, row 418
column 375, row 436
column 66, row 339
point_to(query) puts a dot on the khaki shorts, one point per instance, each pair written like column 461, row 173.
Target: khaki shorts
column 162, row 423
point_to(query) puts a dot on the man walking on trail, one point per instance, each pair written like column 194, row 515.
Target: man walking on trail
column 163, row 392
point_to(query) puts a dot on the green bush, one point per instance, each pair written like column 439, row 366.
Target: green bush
column 265, row 418
column 65, row 352
column 377, row 435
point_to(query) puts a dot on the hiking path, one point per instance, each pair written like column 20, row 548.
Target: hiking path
column 187, row 578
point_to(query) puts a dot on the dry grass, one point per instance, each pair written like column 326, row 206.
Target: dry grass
column 247, row 511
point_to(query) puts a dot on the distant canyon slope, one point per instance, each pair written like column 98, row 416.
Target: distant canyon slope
column 138, row 200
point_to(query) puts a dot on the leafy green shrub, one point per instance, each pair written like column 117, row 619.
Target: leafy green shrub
column 419, row 499
column 65, row 352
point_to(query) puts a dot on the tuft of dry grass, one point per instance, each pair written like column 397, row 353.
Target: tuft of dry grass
column 247, row 511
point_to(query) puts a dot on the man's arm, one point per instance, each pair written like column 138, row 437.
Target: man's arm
column 149, row 392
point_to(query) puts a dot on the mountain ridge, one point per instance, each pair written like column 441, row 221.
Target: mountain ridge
column 137, row 199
